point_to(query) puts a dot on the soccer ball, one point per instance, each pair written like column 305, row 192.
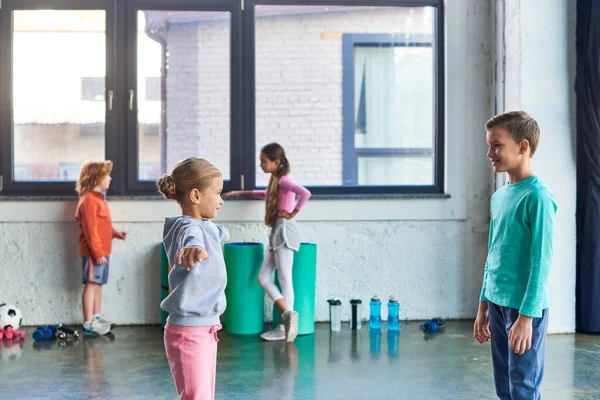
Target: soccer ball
column 10, row 315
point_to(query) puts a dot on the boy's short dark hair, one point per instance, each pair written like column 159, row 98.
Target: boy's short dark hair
column 519, row 126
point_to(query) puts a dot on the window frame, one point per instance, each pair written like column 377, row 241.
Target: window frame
column 351, row 154
column 438, row 47
column 231, row 6
column 9, row 185
column 121, row 133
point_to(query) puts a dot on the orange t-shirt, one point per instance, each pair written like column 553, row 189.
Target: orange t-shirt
column 95, row 225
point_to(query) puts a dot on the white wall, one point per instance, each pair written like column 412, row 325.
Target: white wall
column 540, row 81
column 429, row 253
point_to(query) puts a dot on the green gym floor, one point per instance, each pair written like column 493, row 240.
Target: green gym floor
column 130, row 363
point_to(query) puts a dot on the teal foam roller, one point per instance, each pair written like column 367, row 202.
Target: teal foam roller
column 244, row 314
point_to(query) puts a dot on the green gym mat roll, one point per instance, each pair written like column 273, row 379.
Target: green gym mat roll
column 304, row 278
column 244, row 314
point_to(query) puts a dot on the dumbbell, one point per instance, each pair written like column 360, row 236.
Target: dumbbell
column 44, row 333
column 433, row 325
column 10, row 333
column 66, row 330
column 51, row 331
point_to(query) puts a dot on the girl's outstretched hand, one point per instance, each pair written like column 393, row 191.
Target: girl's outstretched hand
column 234, row 193
column 189, row 256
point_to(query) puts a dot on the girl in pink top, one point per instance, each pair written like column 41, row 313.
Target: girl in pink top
column 284, row 236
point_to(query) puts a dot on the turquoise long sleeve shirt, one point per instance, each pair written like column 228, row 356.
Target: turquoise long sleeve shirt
column 520, row 247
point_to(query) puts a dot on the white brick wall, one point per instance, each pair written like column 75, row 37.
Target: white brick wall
column 298, row 88
column 198, row 106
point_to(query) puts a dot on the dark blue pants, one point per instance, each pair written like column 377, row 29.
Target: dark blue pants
column 517, row 377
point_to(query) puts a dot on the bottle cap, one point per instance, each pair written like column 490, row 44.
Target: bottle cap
column 375, row 298
column 393, row 299
column 356, row 301
column 334, row 302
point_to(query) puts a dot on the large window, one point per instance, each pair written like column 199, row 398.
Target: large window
column 57, row 92
column 186, row 55
column 352, row 90
column 389, row 131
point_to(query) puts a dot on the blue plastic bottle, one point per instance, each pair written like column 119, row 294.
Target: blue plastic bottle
column 375, row 342
column 393, row 339
column 375, row 318
column 393, row 321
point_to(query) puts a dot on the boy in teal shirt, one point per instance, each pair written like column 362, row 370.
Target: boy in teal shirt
column 513, row 308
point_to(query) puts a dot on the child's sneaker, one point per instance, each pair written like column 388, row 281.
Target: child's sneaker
column 97, row 327
column 274, row 334
column 290, row 322
column 104, row 321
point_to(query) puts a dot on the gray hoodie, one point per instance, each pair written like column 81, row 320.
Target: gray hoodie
column 198, row 296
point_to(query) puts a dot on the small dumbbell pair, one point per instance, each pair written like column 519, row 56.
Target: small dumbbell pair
column 9, row 333
column 49, row 332
column 433, row 325
column 63, row 331
column 44, row 333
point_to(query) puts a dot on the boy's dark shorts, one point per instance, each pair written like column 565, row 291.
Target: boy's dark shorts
column 93, row 272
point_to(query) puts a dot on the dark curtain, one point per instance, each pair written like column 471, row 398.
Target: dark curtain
column 587, row 87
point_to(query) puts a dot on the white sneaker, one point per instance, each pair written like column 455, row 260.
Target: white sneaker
column 274, row 334
column 97, row 327
column 104, row 321
column 290, row 322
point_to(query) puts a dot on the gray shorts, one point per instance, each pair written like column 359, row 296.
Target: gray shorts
column 93, row 272
column 284, row 232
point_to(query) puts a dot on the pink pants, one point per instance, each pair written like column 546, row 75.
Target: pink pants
column 192, row 355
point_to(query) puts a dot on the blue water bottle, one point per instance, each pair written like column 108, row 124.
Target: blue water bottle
column 375, row 342
column 393, row 340
column 375, row 318
column 393, row 321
